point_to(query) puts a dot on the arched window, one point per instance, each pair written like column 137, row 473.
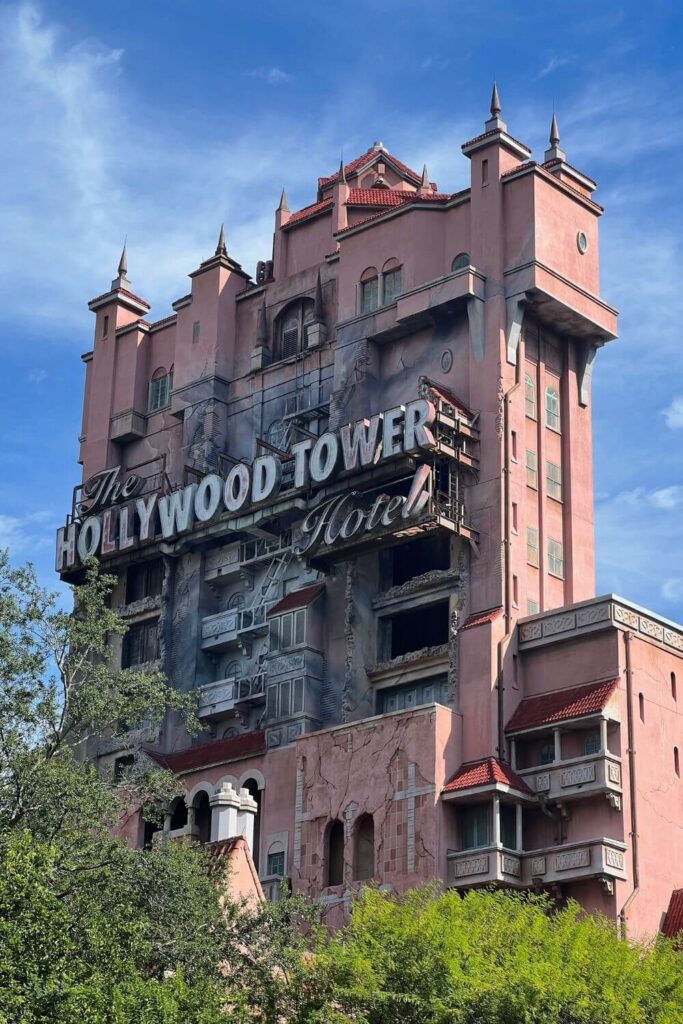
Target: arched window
column 160, row 389
column 364, row 848
column 276, row 859
column 291, row 327
column 233, row 670
column 236, row 601
column 641, row 707
column 673, row 686
column 202, row 816
column 677, row 763
column 178, row 814
column 392, row 281
column 461, row 261
column 530, row 396
column 334, row 853
column 552, row 409
column 369, row 290
column 276, row 434
column 257, row 793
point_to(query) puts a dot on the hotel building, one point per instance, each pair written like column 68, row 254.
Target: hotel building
column 349, row 503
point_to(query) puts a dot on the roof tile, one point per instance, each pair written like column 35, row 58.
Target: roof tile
column 480, row 618
column 673, row 921
column 366, row 158
column 216, row 752
column 298, row 599
column 561, row 705
column 486, row 772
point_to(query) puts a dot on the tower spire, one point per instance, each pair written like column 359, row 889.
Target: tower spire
column 425, row 184
column 495, row 122
column 495, row 101
column 221, row 248
column 342, row 175
column 554, row 152
column 284, row 205
column 123, row 262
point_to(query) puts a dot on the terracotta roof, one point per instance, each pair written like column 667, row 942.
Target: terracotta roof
column 520, row 167
column 367, row 158
column 164, row 322
column 673, row 921
column 378, row 197
column 413, row 199
column 561, row 705
column 480, row 618
column 486, row 772
column 309, row 211
column 216, row 752
column 298, row 599
column 494, row 131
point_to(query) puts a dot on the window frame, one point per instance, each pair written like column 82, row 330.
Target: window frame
column 148, row 631
column 159, row 393
column 530, row 397
column 369, row 287
column 553, row 409
column 531, row 470
column 532, row 544
column 393, row 274
column 296, row 627
column 295, row 316
column 554, row 560
column 553, row 483
column 478, row 817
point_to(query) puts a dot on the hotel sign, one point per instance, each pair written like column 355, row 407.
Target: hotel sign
column 116, row 517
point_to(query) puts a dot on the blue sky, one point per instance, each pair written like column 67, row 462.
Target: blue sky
column 160, row 120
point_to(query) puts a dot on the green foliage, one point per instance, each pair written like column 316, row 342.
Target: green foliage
column 487, row 958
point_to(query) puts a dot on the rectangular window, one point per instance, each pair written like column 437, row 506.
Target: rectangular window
column 552, row 409
column 532, row 607
column 554, row 481
column 532, row 546
column 513, row 445
column 532, row 470
column 397, row 698
column 274, row 636
column 159, row 392
column 514, row 517
column 287, row 631
column 271, row 703
column 285, row 698
column 555, row 558
column 369, row 295
column 392, row 282
column 195, row 332
column 515, row 591
column 474, row 827
column 592, row 743
column 508, row 826
column 299, row 626
column 140, row 644
column 297, row 696
column 121, row 765
column 144, row 580
column 484, row 172
column 276, row 863
column 105, row 326
column 547, row 752
column 530, row 396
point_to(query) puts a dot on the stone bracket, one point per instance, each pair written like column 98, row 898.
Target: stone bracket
column 514, row 308
column 585, row 371
column 475, row 316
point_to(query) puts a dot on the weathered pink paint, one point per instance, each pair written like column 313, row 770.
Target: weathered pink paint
column 518, row 321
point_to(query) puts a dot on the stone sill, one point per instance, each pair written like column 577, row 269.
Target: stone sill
column 435, row 579
column 425, row 656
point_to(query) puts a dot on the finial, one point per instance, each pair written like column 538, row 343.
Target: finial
column 342, row 175
column 123, row 262
column 284, row 205
column 554, row 152
column 425, row 184
column 221, row 248
column 318, row 309
column 377, row 144
column 554, row 132
column 495, row 101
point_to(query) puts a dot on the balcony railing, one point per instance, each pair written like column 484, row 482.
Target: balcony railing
column 590, row 858
column 576, row 777
column 218, row 698
column 230, row 627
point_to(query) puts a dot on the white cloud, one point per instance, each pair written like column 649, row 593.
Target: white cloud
column 37, row 376
column 23, row 535
column 273, row 76
column 552, row 65
column 673, row 414
column 667, row 497
column 672, row 589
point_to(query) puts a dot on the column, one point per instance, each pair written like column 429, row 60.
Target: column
column 518, row 823
column 603, row 735
column 558, row 744
column 246, row 816
column 496, row 820
column 513, row 754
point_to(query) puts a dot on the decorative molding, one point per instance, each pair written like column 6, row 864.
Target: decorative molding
column 573, row 859
column 472, row 866
column 578, row 775
column 614, row 858
column 602, row 613
column 511, row 865
column 543, row 782
column 537, row 866
column 614, row 772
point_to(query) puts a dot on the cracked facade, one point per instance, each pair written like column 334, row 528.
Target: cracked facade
column 428, row 686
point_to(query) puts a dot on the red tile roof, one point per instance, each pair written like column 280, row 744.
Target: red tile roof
column 480, row 618
column 309, row 211
column 298, row 599
column 486, row 772
column 378, row 197
column 673, row 921
column 561, row 705
column 216, row 752
column 367, row 158
column 494, row 131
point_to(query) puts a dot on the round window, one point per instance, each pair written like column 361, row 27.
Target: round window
column 582, row 242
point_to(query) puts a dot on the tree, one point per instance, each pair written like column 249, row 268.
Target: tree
column 489, row 957
column 91, row 930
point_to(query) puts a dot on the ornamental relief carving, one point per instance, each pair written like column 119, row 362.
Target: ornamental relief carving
column 537, row 866
column 559, row 624
column 614, row 772
column 286, row 663
column 572, row 859
column 594, row 613
column 650, row 628
column 471, row 866
column 614, row 858
column 625, row 616
column 543, row 782
column 577, row 776
column 531, row 631
column 511, row 866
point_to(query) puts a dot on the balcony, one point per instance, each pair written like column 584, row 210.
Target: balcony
column 216, row 699
column 576, row 778
column 571, row 862
column 222, row 564
column 233, row 627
